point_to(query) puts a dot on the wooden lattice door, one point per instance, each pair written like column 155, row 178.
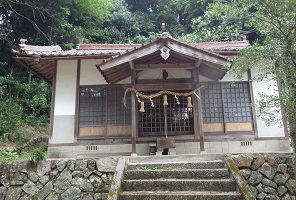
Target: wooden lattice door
column 179, row 117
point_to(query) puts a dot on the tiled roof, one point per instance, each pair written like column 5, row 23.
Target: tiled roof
column 105, row 49
column 222, row 46
column 72, row 52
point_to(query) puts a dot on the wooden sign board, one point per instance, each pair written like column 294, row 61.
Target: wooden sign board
column 165, row 143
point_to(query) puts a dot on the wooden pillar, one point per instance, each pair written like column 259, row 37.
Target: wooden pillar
column 201, row 133
column 134, row 111
column 197, row 110
column 165, row 120
column 134, row 124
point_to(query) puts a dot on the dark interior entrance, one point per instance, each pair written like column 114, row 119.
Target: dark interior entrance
column 179, row 116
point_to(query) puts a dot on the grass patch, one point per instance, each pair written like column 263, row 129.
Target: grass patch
column 35, row 155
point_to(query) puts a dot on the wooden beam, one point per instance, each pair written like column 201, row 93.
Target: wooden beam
column 196, row 53
column 195, row 72
column 131, row 64
column 42, row 70
column 164, row 66
column 164, row 81
column 120, row 78
column 23, row 63
column 118, row 73
column 133, row 77
column 179, row 86
column 146, row 50
column 197, row 63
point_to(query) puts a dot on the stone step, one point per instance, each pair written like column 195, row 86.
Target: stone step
column 180, row 195
column 176, row 158
column 216, row 164
column 179, row 185
column 187, row 173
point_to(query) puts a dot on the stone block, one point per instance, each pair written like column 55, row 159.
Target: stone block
column 270, row 190
column 281, row 179
column 291, row 185
column 257, row 162
column 13, row 193
column 282, row 190
column 259, row 187
column 244, row 161
column 286, row 197
column 261, row 196
column 81, row 164
column 107, row 164
column 267, row 171
column 255, row 178
column 71, row 193
column 269, row 183
column 280, row 159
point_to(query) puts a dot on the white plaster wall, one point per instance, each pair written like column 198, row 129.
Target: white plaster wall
column 267, row 86
column 229, row 77
column 127, row 80
column 89, row 74
column 204, row 79
column 65, row 102
column 157, row 74
column 226, row 78
column 65, row 87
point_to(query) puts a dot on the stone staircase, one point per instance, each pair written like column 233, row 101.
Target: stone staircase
column 169, row 179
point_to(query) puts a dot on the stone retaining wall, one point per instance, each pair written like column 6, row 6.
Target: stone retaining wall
column 269, row 176
column 83, row 179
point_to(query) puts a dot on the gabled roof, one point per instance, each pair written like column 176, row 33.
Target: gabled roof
column 118, row 67
column 48, row 55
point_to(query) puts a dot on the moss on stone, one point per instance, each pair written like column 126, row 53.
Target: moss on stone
column 240, row 181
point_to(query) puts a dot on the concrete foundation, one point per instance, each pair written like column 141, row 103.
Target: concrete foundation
column 231, row 147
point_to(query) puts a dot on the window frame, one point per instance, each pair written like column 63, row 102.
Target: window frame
column 105, row 105
column 247, row 117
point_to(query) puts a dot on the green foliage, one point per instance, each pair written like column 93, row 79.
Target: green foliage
column 273, row 53
column 20, row 135
column 10, row 116
column 36, row 156
column 22, row 103
column 8, row 154
column 222, row 21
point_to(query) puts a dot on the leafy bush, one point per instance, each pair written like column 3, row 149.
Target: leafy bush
column 10, row 116
column 20, row 135
column 36, row 156
column 9, row 154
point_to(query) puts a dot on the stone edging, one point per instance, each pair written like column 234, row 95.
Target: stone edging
column 115, row 188
column 239, row 179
